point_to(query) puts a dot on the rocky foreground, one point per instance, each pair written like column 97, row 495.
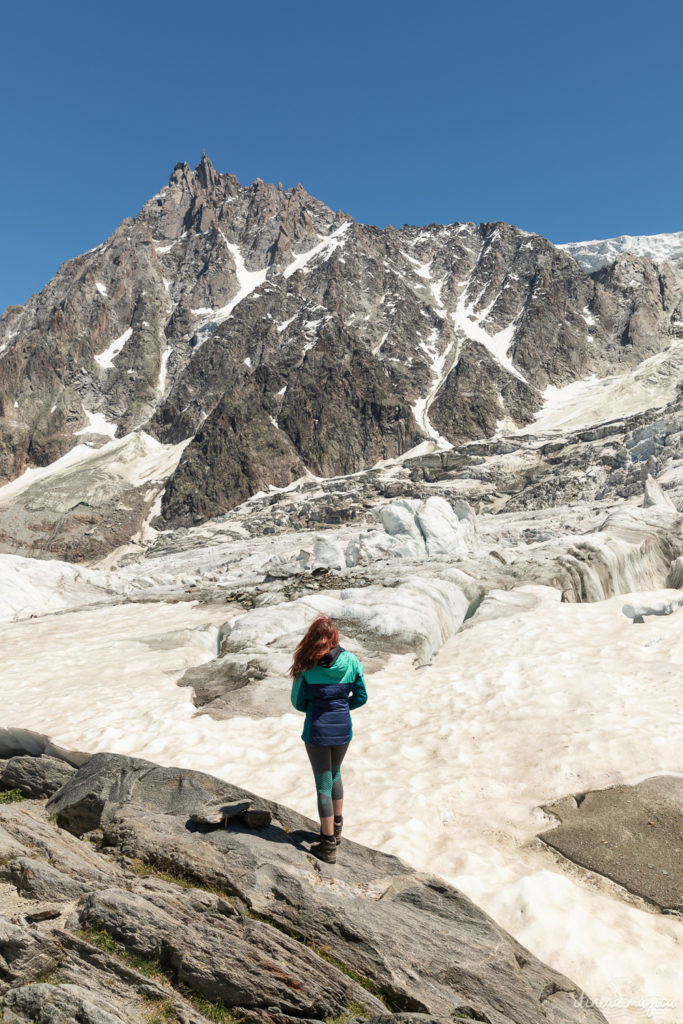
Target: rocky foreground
column 132, row 893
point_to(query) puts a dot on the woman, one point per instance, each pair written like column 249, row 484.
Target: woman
column 326, row 682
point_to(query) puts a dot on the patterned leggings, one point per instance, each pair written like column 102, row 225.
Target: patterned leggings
column 326, row 765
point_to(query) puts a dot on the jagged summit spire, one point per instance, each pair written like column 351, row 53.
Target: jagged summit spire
column 206, row 172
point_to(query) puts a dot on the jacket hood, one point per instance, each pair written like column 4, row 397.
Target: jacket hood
column 328, row 660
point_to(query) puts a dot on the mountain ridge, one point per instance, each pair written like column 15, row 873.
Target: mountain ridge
column 274, row 336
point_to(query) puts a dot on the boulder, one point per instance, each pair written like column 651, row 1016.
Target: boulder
column 38, row 880
column 629, row 834
column 35, row 777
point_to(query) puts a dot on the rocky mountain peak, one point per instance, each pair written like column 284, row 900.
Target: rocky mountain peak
column 180, row 173
column 206, row 173
column 204, row 178
column 271, row 336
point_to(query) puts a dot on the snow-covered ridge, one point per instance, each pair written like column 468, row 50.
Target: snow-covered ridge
column 135, row 459
column 601, row 252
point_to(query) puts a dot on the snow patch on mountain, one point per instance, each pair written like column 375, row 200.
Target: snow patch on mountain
column 97, row 424
column 163, row 369
column 134, row 459
column 327, row 246
column 441, row 363
column 498, row 344
column 106, row 358
column 581, row 403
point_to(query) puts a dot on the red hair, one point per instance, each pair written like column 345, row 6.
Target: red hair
column 321, row 636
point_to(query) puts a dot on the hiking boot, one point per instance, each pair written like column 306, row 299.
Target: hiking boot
column 338, row 825
column 325, row 849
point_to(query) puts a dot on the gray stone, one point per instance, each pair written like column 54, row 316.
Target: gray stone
column 56, row 1004
column 237, row 960
column 26, row 832
column 36, row 777
column 219, row 815
column 252, row 817
column 24, row 952
column 632, row 835
column 38, row 880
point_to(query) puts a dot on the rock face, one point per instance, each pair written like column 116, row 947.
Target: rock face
column 275, row 336
column 162, row 912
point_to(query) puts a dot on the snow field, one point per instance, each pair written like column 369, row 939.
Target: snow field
column 651, row 384
column 97, row 424
column 448, row 765
column 133, row 459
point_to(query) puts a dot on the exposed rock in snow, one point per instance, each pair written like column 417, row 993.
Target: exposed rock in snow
column 630, row 834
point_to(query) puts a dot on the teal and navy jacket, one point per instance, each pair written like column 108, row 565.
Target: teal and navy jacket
column 326, row 692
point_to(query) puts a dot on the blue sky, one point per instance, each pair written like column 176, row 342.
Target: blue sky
column 562, row 118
